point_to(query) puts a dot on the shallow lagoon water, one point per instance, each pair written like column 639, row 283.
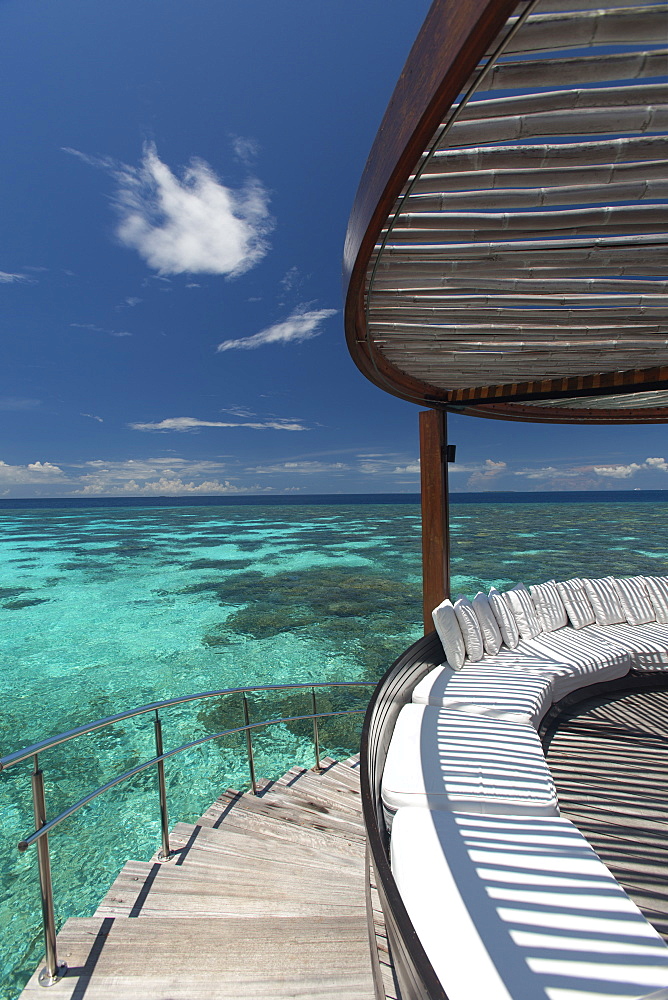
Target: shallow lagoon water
column 105, row 608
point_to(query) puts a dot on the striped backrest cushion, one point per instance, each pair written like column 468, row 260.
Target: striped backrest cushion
column 470, row 629
column 505, row 619
column 549, row 605
column 524, row 610
column 575, row 599
column 450, row 634
column 657, row 588
column 604, row 599
column 638, row 609
column 491, row 634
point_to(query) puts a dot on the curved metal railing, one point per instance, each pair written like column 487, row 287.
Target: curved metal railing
column 53, row 971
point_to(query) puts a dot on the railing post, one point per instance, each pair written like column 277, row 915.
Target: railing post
column 165, row 853
column 316, row 737
column 249, row 746
column 52, row 971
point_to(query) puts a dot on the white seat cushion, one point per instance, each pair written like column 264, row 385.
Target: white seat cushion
column 569, row 659
column 481, row 689
column 442, row 759
column 511, row 908
column 581, row 658
column 647, row 645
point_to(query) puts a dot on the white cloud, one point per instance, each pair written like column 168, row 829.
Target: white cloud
column 290, row 279
column 302, row 325
column 132, row 300
column 192, row 423
column 487, row 473
column 386, row 465
column 7, row 278
column 92, row 417
column 101, row 329
column 18, row 403
column 182, row 424
column 245, row 149
column 626, row 471
column 193, row 224
column 33, row 473
column 238, row 411
column 303, row 468
column 156, row 477
column 550, row 472
column 161, row 487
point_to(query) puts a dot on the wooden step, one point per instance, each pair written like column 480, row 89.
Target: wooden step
column 246, row 813
column 248, row 849
column 323, row 789
column 142, row 890
column 265, row 898
column 314, row 811
column 211, row 959
column 325, row 784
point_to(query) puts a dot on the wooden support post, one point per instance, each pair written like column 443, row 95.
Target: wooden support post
column 435, row 513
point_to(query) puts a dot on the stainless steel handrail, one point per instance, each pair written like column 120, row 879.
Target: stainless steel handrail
column 46, row 827
column 15, row 758
column 53, row 970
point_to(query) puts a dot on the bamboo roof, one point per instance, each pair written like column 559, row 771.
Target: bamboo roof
column 507, row 253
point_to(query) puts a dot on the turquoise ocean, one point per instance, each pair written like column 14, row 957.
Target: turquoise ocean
column 112, row 604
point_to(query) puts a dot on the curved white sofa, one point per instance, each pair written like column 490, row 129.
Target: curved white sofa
column 507, row 897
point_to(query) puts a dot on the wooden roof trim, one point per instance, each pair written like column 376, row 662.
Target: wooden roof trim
column 556, row 415
column 608, row 383
column 445, row 53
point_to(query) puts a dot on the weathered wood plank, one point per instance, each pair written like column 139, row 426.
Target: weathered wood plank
column 242, row 817
column 116, row 959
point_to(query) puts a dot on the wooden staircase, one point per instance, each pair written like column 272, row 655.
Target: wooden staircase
column 264, row 898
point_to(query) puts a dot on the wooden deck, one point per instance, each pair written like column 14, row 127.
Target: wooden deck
column 265, row 899
column 608, row 760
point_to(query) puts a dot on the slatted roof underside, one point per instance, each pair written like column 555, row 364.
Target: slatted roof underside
column 531, row 242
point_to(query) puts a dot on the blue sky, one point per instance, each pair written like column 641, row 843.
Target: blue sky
column 177, row 181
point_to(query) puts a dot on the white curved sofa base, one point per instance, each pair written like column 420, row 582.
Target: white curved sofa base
column 508, row 899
